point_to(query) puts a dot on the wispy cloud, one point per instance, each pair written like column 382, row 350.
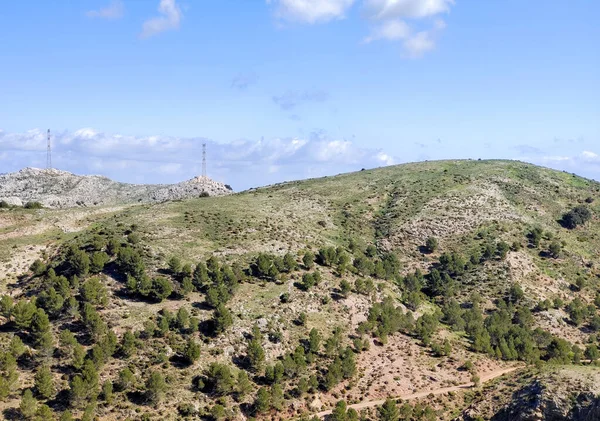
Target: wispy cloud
column 169, row 19
column 413, row 9
column 528, row 150
column 391, row 30
column 310, row 11
column 115, row 10
column 291, row 99
column 166, row 159
column 243, row 80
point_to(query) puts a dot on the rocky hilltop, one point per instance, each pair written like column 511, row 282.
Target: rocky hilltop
column 61, row 189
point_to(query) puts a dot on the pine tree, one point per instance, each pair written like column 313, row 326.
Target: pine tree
column 345, row 287
column 183, row 318
column 78, row 356
column 16, row 347
column 107, row 391
column 277, row 397
column 77, row 391
column 348, row 364
column 352, row 415
column 90, row 378
column 220, row 379
column 218, row 412
column 22, row 313
column 187, row 286
column 126, row 379
column 5, row 389
column 175, row 265
column 389, row 411
column 66, row 416
column 44, row 383
column 200, row 276
column 191, row 352
column 28, row 405
column 45, row 344
column 89, row 412
column 339, row 412
column 44, row 413
column 302, row 387
column 222, row 319
column 314, row 341
column 128, row 344
column 244, row 386
column 256, row 355
column 155, row 387
column 262, row 403
column 308, row 260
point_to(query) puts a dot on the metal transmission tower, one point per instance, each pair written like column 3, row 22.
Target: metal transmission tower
column 204, row 160
column 49, row 153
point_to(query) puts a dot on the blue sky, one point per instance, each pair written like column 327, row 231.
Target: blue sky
column 286, row 89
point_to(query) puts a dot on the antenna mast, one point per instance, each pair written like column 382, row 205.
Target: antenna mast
column 49, row 153
column 204, row 160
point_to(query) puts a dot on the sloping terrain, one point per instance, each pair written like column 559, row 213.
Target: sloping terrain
column 60, row 189
column 287, row 300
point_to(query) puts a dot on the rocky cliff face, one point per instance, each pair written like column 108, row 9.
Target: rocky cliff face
column 536, row 403
column 566, row 393
column 61, row 189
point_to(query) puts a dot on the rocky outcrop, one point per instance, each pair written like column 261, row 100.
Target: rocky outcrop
column 537, row 402
column 534, row 403
column 61, row 189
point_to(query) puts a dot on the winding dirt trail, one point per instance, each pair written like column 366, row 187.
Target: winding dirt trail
column 483, row 379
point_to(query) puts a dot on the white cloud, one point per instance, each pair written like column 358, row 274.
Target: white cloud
column 419, row 43
column 170, row 19
column 310, row 11
column 164, row 159
column 413, row 9
column 390, row 30
column 592, row 156
column 439, row 24
column 115, row 10
column 386, row 159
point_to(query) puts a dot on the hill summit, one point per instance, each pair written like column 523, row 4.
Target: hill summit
column 447, row 290
column 61, row 189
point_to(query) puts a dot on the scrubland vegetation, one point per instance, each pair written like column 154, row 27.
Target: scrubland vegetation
column 273, row 303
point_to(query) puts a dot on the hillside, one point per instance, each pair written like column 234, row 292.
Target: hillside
column 61, row 189
column 422, row 281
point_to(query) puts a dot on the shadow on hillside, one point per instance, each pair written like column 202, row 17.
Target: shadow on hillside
column 11, row 414
column 202, row 305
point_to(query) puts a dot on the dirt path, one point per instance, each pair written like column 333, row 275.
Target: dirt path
column 483, row 379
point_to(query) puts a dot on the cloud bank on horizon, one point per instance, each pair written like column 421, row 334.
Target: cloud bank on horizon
column 163, row 159
column 242, row 164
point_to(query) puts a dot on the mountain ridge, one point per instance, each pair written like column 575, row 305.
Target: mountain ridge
column 420, row 278
column 55, row 188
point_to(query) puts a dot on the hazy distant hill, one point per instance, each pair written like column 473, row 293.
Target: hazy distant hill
column 60, row 189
